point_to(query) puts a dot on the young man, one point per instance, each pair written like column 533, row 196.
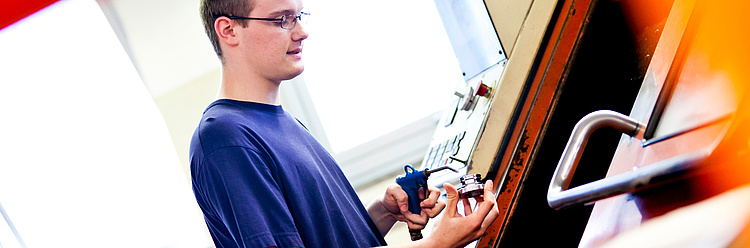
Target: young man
column 258, row 175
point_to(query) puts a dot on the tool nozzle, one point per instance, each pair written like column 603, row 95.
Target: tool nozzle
column 427, row 172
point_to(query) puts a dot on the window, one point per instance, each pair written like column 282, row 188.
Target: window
column 368, row 75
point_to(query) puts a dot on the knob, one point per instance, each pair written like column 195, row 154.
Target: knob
column 483, row 90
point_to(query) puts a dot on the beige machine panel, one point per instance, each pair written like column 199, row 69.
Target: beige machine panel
column 508, row 16
column 519, row 64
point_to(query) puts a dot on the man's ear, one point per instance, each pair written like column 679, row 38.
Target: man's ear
column 225, row 30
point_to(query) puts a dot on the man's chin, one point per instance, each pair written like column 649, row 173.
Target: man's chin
column 294, row 73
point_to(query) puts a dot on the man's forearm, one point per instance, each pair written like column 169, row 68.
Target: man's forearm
column 381, row 216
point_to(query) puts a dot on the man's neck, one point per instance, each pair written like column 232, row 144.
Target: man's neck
column 243, row 85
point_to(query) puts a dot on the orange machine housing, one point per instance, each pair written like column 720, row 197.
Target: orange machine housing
column 677, row 67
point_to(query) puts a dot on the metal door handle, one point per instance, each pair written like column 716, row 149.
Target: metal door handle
column 559, row 196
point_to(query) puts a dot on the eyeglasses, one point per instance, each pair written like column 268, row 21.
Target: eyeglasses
column 286, row 21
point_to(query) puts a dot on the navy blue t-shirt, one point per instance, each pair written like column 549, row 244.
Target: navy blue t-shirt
column 261, row 179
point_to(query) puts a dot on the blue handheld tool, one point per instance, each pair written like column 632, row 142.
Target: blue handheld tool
column 411, row 182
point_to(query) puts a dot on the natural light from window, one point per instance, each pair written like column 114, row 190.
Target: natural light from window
column 86, row 157
column 375, row 66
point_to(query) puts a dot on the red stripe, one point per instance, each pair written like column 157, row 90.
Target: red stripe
column 14, row 10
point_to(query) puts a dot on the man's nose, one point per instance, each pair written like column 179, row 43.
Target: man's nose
column 299, row 32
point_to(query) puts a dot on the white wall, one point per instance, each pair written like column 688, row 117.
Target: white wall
column 85, row 157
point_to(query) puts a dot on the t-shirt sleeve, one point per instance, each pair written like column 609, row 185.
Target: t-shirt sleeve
column 241, row 191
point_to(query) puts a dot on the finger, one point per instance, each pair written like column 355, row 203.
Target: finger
column 490, row 197
column 416, row 220
column 467, row 206
column 434, row 210
column 489, row 191
column 452, row 198
column 490, row 218
column 400, row 197
column 488, row 203
column 415, row 226
column 432, row 199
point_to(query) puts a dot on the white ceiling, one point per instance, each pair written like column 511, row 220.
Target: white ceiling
column 165, row 39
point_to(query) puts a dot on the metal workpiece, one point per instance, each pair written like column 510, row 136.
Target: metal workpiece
column 471, row 186
column 556, row 195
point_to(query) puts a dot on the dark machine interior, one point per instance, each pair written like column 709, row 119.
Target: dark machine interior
column 606, row 73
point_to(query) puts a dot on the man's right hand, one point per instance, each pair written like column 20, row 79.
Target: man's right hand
column 456, row 230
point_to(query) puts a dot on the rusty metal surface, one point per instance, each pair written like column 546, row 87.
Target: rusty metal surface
column 533, row 115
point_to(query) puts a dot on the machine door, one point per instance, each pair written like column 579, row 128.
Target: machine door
column 594, row 57
column 684, row 139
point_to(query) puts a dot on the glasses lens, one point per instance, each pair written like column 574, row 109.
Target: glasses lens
column 287, row 21
column 304, row 18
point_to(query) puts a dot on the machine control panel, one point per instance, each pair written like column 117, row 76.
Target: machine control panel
column 461, row 125
column 482, row 61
